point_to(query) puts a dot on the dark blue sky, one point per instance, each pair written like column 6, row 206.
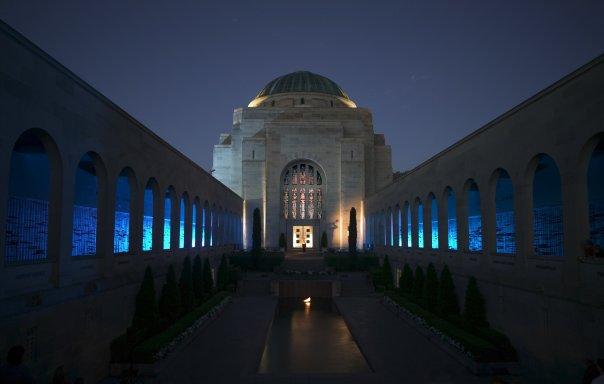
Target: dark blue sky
column 431, row 71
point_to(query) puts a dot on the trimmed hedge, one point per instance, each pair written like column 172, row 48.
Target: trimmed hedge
column 486, row 344
column 146, row 350
column 346, row 262
column 265, row 263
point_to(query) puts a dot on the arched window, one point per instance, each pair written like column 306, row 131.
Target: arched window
column 85, row 204
column 302, row 191
column 384, row 223
column 28, row 200
column 433, row 221
column 182, row 219
column 168, row 198
column 148, row 213
column 391, row 220
column 194, row 211
column 547, row 208
column 409, row 225
column 420, row 223
column 204, row 225
column 212, row 224
column 474, row 217
column 123, row 197
column 595, row 190
column 400, row 225
column 451, row 219
column 505, row 233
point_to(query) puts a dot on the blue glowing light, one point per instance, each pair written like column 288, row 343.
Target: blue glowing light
column 181, row 227
column 167, row 216
column 194, row 225
column 409, row 226
column 121, row 231
column 451, row 220
column 391, row 228
column 85, row 209
column 212, row 228
column 420, row 225
column 27, row 206
column 474, row 219
column 547, row 209
column 400, row 226
column 505, row 233
column 434, row 219
column 148, row 218
column 203, row 227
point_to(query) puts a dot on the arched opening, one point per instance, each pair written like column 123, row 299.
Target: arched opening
column 168, row 202
column 420, row 223
column 595, row 190
column 182, row 218
column 391, row 226
column 505, row 232
column 27, row 214
column 194, row 213
column 409, row 225
column 123, row 199
column 212, row 224
column 204, row 224
column 85, row 207
column 474, row 216
column 548, row 235
column 148, row 214
column 399, row 217
column 433, row 221
column 451, row 219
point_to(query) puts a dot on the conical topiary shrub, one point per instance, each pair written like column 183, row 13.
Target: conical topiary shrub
column 387, row 274
column 197, row 277
column 169, row 301
column 146, row 313
column 222, row 278
column 418, row 284
column 447, row 300
column 430, row 293
column 185, row 284
column 474, row 311
column 207, row 282
column 323, row 240
column 406, row 281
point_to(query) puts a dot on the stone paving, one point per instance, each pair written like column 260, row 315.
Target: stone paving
column 229, row 350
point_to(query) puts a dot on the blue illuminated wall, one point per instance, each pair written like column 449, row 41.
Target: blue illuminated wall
column 85, row 202
column 400, row 226
column 547, row 209
column 148, row 217
column 595, row 186
column 194, row 225
column 474, row 218
column 27, row 207
column 420, row 225
column 451, row 220
column 434, row 221
column 409, row 225
column 181, row 227
column 121, row 231
column 167, row 216
column 505, row 233
column 203, row 227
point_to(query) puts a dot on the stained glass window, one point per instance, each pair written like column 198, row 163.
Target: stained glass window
column 311, row 204
column 300, row 202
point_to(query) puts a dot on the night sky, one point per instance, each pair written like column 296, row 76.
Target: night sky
column 430, row 71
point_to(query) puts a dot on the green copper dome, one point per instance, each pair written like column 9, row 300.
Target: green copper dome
column 302, row 81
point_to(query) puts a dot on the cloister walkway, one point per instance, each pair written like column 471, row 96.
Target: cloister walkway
column 229, row 349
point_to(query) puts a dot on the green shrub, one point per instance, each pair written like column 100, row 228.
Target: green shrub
column 474, row 313
column 447, row 300
column 197, row 277
column 418, row 285
column 377, row 277
column 282, row 242
column 185, row 285
column 169, row 301
column 146, row 312
column 207, row 282
column 387, row 272
column 222, row 276
column 145, row 351
column 406, row 281
column 430, row 293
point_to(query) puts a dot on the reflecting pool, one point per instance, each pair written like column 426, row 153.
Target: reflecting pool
column 310, row 338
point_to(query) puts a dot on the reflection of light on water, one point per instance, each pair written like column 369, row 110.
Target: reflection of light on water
column 307, row 306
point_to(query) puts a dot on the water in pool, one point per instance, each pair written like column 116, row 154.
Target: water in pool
column 310, row 338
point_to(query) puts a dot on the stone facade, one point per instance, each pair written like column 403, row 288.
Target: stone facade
column 550, row 306
column 324, row 130
column 65, row 309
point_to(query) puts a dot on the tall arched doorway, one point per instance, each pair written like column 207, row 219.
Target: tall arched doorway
column 302, row 191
